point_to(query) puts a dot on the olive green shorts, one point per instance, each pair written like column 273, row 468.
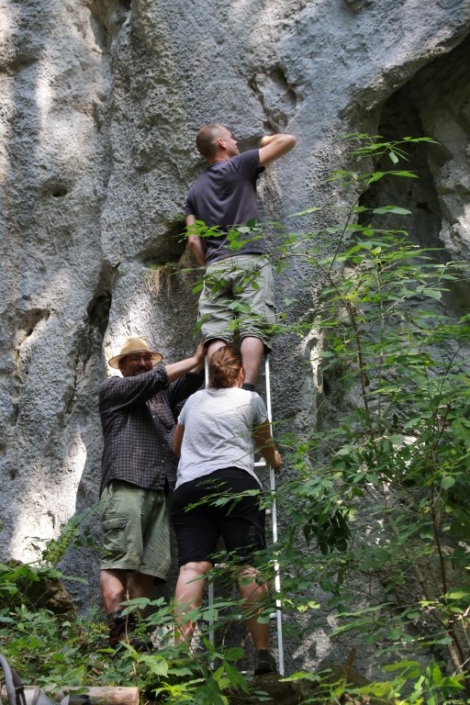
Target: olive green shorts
column 238, row 298
column 136, row 533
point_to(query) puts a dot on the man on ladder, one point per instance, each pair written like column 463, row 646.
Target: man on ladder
column 237, row 268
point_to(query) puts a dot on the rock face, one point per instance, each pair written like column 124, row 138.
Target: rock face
column 101, row 100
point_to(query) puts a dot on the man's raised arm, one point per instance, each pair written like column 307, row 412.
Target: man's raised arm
column 274, row 146
column 192, row 364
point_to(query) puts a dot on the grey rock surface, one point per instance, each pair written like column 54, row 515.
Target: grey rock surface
column 101, row 100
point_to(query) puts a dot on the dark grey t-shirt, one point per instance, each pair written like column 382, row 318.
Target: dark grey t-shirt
column 225, row 196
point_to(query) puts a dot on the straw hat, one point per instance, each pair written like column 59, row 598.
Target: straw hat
column 131, row 346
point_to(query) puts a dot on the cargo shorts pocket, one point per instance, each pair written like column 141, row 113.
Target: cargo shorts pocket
column 114, row 527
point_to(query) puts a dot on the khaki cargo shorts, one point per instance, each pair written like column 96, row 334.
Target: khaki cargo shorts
column 238, row 299
column 136, row 533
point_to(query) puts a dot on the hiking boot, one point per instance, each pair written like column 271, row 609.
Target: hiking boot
column 264, row 662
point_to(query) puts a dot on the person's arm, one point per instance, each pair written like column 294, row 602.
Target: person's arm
column 263, row 440
column 191, row 364
column 178, row 439
column 196, row 244
column 117, row 393
column 274, row 146
column 186, row 385
column 200, row 354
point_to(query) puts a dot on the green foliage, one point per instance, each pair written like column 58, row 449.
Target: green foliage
column 382, row 486
column 75, row 532
column 72, row 650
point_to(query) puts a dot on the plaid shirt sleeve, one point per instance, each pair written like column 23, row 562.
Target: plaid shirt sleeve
column 135, row 444
column 138, row 420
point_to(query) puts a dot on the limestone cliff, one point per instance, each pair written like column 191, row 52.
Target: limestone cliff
column 101, row 100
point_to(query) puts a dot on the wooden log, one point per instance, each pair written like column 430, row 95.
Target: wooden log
column 106, row 695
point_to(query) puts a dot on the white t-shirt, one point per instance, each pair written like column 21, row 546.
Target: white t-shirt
column 218, row 425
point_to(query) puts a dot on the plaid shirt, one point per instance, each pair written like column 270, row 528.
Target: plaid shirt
column 138, row 420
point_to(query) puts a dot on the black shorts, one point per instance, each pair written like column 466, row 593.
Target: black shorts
column 240, row 521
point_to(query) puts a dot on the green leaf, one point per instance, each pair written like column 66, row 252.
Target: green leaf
column 447, row 481
column 397, row 210
column 458, row 595
column 432, row 294
column 313, row 209
column 413, row 668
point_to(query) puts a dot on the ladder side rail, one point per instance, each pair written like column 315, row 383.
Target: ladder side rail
column 210, row 587
column 274, row 527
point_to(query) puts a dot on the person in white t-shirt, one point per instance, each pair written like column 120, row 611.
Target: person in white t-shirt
column 216, row 436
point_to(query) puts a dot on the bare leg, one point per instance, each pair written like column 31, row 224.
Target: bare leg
column 140, row 585
column 116, row 586
column 254, row 592
column 252, row 350
column 188, row 596
column 113, row 586
column 214, row 345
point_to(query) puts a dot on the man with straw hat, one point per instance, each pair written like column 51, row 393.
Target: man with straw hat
column 138, row 414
